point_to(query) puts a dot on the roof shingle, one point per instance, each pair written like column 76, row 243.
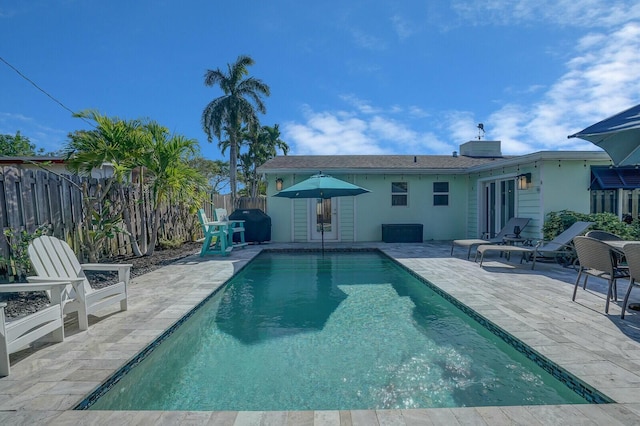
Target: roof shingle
column 372, row 162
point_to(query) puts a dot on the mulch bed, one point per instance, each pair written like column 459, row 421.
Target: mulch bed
column 21, row 304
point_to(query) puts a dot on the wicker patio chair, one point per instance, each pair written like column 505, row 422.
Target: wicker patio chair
column 632, row 254
column 598, row 259
column 603, row 235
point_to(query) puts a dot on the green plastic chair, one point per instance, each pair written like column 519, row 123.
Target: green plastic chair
column 215, row 237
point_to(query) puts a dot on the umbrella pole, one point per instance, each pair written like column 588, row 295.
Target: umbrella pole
column 322, row 223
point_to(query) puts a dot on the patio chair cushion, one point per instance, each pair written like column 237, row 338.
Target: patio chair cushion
column 506, row 231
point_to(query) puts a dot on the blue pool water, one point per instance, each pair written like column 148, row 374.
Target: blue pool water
column 333, row 332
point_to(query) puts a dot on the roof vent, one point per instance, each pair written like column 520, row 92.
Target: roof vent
column 455, row 153
column 415, row 159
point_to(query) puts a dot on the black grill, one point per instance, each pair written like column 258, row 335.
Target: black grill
column 257, row 225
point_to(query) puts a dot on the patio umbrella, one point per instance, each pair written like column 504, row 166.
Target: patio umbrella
column 618, row 135
column 324, row 187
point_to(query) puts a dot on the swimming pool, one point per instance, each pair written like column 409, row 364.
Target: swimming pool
column 339, row 331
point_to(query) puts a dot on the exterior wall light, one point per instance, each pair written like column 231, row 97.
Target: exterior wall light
column 279, row 184
column 524, row 181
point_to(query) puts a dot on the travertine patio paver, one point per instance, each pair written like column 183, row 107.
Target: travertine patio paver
column 535, row 306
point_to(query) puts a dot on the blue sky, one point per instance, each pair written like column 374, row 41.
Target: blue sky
column 346, row 77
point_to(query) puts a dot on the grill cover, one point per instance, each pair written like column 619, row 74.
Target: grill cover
column 257, row 225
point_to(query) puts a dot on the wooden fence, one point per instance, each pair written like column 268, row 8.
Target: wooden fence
column 224, row 201
column 30, row 198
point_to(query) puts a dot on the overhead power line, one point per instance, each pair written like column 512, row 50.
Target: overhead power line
column 42, row 90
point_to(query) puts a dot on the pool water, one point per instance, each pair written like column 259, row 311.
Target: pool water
column 334, row 332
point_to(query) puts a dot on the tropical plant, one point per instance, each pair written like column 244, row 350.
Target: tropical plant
column 215, row 171
column 262, row 146
column 170, row 177
column 556, row 222
column 238, row 106
column 100, row 225
column 121, row 143
column 18, row 262
column 160, row 158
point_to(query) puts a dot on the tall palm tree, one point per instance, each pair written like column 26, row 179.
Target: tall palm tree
column 239, row 104
column 263, row 145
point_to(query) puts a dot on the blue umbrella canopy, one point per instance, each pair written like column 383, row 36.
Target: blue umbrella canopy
column 618, row 135
column 321, row 186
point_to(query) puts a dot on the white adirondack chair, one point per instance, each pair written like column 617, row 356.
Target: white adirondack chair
column 53, row 260
column 44, row 325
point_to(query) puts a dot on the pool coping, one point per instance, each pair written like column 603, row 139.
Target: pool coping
column 605, row 351
column 588, row 393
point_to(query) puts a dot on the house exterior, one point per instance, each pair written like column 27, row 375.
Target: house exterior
column 53, row 164
column 459, row 196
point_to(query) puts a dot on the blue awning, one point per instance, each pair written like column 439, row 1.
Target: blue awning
column 614, row 177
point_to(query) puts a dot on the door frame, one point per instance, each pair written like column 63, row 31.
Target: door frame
column 491, row 214
column 314, row 234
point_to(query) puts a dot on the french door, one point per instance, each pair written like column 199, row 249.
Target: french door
column 498, row 205
column 323, row 215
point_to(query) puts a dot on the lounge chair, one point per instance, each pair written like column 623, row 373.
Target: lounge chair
column 53, row 260
column 561, row 247
column 216, row 239
column 506, row 231
column 18, row 334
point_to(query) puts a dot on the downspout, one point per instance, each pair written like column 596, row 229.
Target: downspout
column 541, row 199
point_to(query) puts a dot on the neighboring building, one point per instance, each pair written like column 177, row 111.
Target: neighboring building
column 458, row 196
column 53, row 164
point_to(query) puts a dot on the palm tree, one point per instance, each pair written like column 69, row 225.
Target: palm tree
column 115, row 141
column 169, row 175
column 239, row 104
column 263, row 146
column 128, row 145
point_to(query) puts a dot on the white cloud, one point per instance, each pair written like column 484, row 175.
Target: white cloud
column 575, row 13
column 402, row 27
column 601, row 80
column 416, row 112
column 361, row 105
column 326, row 133
column 367, row 41
column 343, row 133
column 461, row 125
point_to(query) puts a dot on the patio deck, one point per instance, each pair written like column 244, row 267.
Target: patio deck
column 534, row 306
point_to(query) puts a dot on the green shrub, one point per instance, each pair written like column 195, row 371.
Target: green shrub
column 169, row 244
column 556, row 222
column 18, row 263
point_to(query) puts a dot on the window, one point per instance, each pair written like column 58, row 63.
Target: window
column 440, row 193
column 399, row 194
column 604, row 201
column 615, row 190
